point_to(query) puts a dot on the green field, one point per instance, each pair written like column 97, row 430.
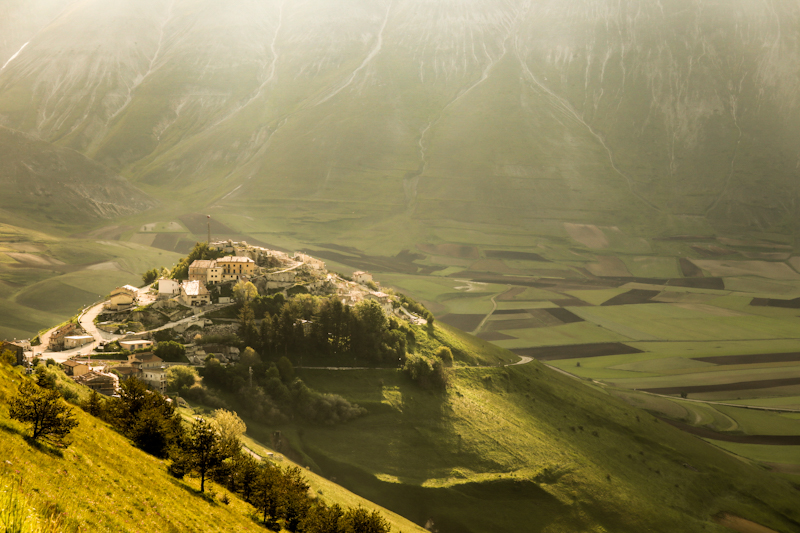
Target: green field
column 61, row 275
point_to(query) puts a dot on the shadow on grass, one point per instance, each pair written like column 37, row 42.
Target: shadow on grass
column 5, row 426
column 501, row 505
column 44, row 447
column 270, row 525
column 196, row 493
column 38, row 445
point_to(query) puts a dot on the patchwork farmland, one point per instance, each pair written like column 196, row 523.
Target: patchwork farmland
column 713, row 347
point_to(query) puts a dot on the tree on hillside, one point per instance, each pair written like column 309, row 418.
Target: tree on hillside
column 170, row 351
column 203, row 449
column 244, row 292
column 267, row 493
column 49, row 416
column 360, row 520
column 323, row 519
column 286, row 370
column 295, row 497
column 7, row 357
column 44, row 378
column 179, row 377
column 230, row 428
column 145, row 417
column 248, row 330
column 94, row 404
column 150, row 276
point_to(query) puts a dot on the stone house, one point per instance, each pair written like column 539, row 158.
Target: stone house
column 103, row 383
column 16, row 349
column 311, row 262
column 382, row 298
column 362, row 277
column 144, row 361
column 167, row 288
column 126, row 371
column 122, row 298
column 75, row 341
column 133, row 345
column 205, row 270
column 56, row 343
column 226, row 247
column 156, row 378
column 74, row 368
column 194, row 293
column 233, row 267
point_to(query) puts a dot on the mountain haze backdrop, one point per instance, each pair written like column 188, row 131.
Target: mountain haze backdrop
column 393, row 125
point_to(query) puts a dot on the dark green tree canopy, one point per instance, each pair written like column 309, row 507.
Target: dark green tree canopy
column 50, row 418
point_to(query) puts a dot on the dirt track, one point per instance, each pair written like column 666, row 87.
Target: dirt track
column 772, row 440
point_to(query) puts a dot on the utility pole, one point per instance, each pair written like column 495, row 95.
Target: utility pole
column 209, row 229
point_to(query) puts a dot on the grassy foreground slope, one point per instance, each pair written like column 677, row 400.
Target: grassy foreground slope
column 102, row 483
column 523, row 448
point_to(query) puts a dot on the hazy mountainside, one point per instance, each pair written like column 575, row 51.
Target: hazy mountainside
column 22, row 20
column 679, row 114
column 62, row 185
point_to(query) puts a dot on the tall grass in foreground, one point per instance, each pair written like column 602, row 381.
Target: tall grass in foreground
column 16, row 516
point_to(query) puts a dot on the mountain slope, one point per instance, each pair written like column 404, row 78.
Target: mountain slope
column 677, row 114
column 62, row 185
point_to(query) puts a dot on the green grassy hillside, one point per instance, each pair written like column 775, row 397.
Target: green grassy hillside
column 526, row 448
column 102, row 483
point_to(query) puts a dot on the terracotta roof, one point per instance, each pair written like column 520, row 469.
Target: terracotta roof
column 94, row 376
column 146, row 358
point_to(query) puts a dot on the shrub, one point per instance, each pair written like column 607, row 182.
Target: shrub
column 426, row 372
column 170, row 351
column 445, row 355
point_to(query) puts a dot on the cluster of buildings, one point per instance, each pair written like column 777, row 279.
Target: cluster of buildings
column 279, row 270
column 68, row 336
column 147, row 367
column 244, row 262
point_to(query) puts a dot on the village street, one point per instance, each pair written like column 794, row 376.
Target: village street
column 86, row 321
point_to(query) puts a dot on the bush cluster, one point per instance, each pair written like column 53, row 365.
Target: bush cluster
column 427, row 372
column 324, row 326
column 272, row 393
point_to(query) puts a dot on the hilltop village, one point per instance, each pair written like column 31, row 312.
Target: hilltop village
column 141, row 332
